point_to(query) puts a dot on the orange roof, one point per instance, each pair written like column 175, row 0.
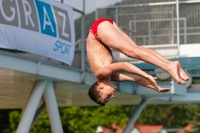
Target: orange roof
column 149, row 128
column 118, row 129
column 142, row 128
column 106, row 130
column 186, row 128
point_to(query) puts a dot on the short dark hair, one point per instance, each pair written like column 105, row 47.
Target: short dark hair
column 95, row 95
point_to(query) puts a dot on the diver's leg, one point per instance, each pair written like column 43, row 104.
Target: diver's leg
column 111, row 37
column 181, row 71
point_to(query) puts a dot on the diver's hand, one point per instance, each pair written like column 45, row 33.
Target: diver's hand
column 155, row 86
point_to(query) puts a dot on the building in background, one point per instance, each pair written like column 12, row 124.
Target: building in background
column 142, row 129
column 135, row 129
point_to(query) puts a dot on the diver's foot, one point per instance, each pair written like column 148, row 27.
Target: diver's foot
column 182, row 73
column 174, row 71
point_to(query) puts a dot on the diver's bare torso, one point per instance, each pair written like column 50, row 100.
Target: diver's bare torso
column 99, row 55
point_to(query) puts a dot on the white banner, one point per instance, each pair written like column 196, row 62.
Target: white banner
column 43, row 27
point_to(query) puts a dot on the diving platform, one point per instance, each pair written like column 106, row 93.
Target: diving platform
column 19, row 72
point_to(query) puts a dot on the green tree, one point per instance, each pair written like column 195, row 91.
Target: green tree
column 41, row 125
column 87, row 119
column 77, row 119
column 195, row 121
column 171, row 116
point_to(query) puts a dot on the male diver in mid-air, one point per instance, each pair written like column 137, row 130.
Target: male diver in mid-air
column 105, row 34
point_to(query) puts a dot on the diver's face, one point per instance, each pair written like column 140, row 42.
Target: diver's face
column 108, row 92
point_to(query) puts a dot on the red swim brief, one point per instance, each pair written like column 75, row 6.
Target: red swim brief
column 94, row 26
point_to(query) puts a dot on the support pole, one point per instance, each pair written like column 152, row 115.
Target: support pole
column 149, row 33
column 83, row 56
column 172, row 28
column 31, row 107
column 39, row 111
column 52, row 108
column 135, row 116
column 178, row 27
column 117, row 15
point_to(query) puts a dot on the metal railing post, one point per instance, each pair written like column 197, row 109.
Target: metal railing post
column 83, row 58
column 117, row 14
column 178, row 26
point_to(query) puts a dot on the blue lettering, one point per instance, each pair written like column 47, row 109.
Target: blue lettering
column 68, row 49
column 62, row 47
column 56, row 46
